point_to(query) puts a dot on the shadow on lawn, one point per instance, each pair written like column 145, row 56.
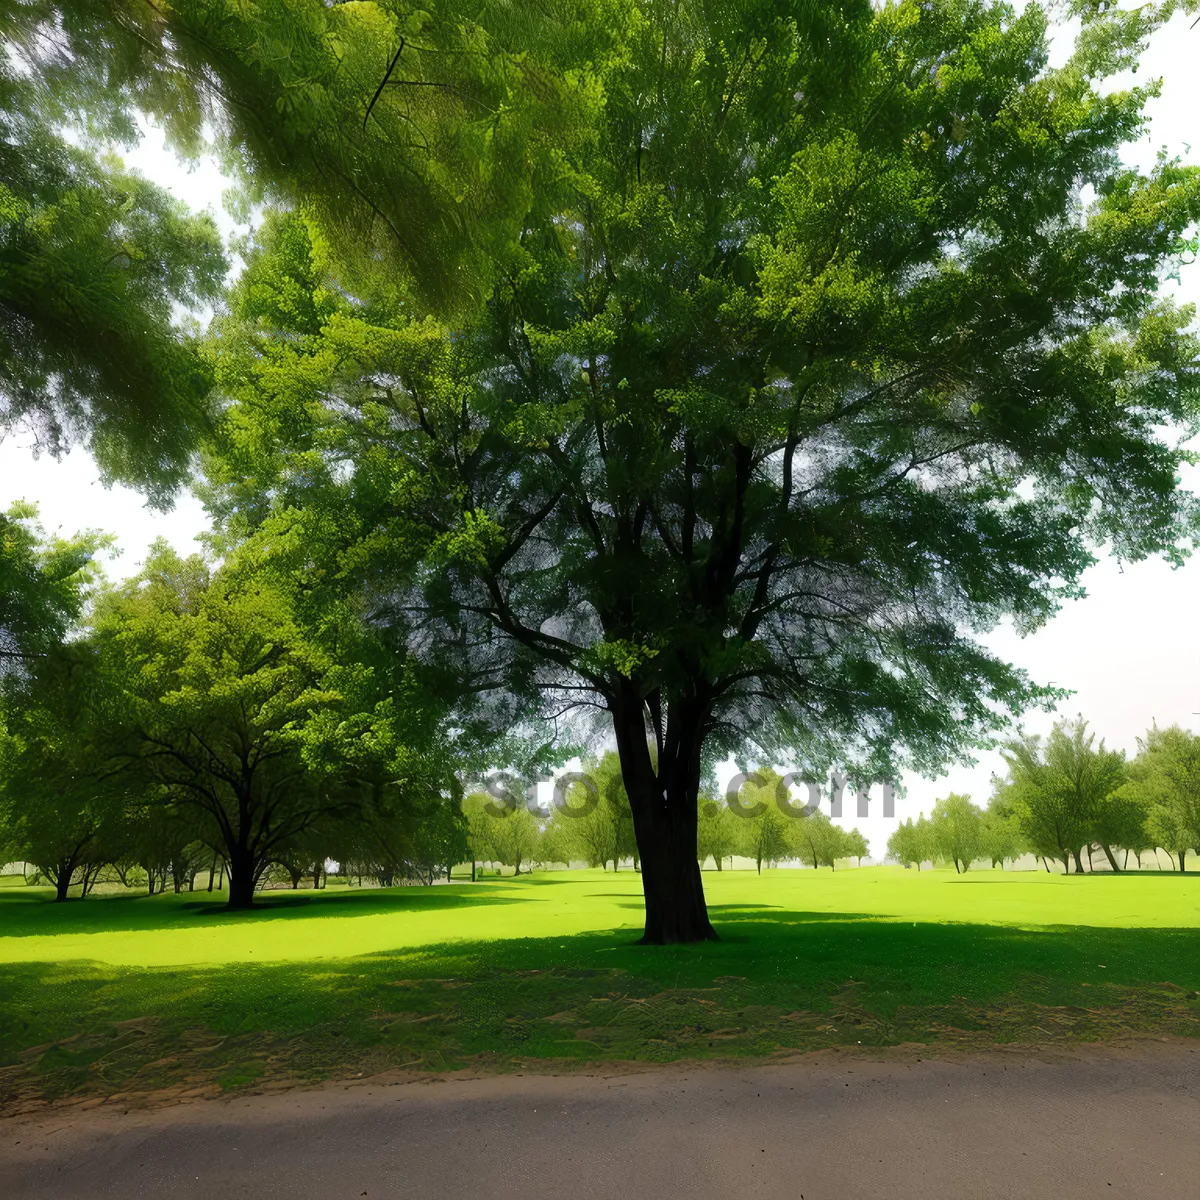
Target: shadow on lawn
column 777, row 980
column 26, row 915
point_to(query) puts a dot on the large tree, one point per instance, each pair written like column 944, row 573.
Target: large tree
column 829, row 334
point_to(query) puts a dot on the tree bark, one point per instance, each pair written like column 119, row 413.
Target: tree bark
column 665, row 820
column 1112, row 862
column 62, row 879
column 1182, row 857
column 1078, row 863
column 242, row 879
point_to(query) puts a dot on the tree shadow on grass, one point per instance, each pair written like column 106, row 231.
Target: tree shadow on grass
column 40, row 916
column 793, row 980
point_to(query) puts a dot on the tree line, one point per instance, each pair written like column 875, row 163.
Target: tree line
column 594, row 825
column 1065, row 798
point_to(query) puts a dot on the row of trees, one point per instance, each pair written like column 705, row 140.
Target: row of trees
column 1065, row 798
column 594, row 824
column 204, row 716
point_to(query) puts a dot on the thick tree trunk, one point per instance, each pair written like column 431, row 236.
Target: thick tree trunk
column 62, row 881
column 663, row 799
column 241, row 879
column 1112, row 862
column 1078, row 863
column 674, row 892
column 1182, row 858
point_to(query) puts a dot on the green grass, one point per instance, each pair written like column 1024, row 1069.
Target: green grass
column 133, row 994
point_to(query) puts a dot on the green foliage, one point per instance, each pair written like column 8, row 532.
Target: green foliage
column 762, row 831
column 1002, row 839
column 718, row 831
column 913, row 842
column 44, row 583
column 818, row 840
column 95, row 261
column 1165, row 780
column 60, row 804
column 232, row 707
column 1065, row 794
column 958, row 831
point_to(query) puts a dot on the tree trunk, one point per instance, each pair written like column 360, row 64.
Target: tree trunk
column 241, row 879
column 1112, row 862
column 1078, row 863
column 663, row 797
column 1182, row 857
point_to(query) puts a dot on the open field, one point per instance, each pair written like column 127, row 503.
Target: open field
column 172, row 995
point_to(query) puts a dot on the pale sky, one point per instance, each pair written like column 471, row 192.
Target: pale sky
column 1129, row 650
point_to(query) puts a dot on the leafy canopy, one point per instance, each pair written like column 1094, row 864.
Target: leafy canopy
column 810, row 365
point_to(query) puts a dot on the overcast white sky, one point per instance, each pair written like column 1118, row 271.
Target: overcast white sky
column 1129, row 650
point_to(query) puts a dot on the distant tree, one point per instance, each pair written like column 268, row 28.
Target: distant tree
column 817, row 839
column 513, row 838
column 761, row 830
column 856, row 846
column 913, row 842
column 1165, row 779
column 718, row 835
column 958, row 830
column 1001, row 832
column 1059, row 790
column 596, row 824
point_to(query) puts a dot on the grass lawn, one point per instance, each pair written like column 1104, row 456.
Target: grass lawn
column 131, row 994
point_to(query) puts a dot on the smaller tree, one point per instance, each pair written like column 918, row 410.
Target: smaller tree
column 1165, row 779
column 958, row 831
column 762, row 831
column 856, row 846
column 817, row 839
column 513, row 838
column 60, row 801
column 913, row 842
column 718, row 835
column 1058, row 790
column 232, row 707
column 1001, row 834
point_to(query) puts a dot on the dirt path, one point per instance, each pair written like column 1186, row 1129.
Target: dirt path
column 1097, row 1122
